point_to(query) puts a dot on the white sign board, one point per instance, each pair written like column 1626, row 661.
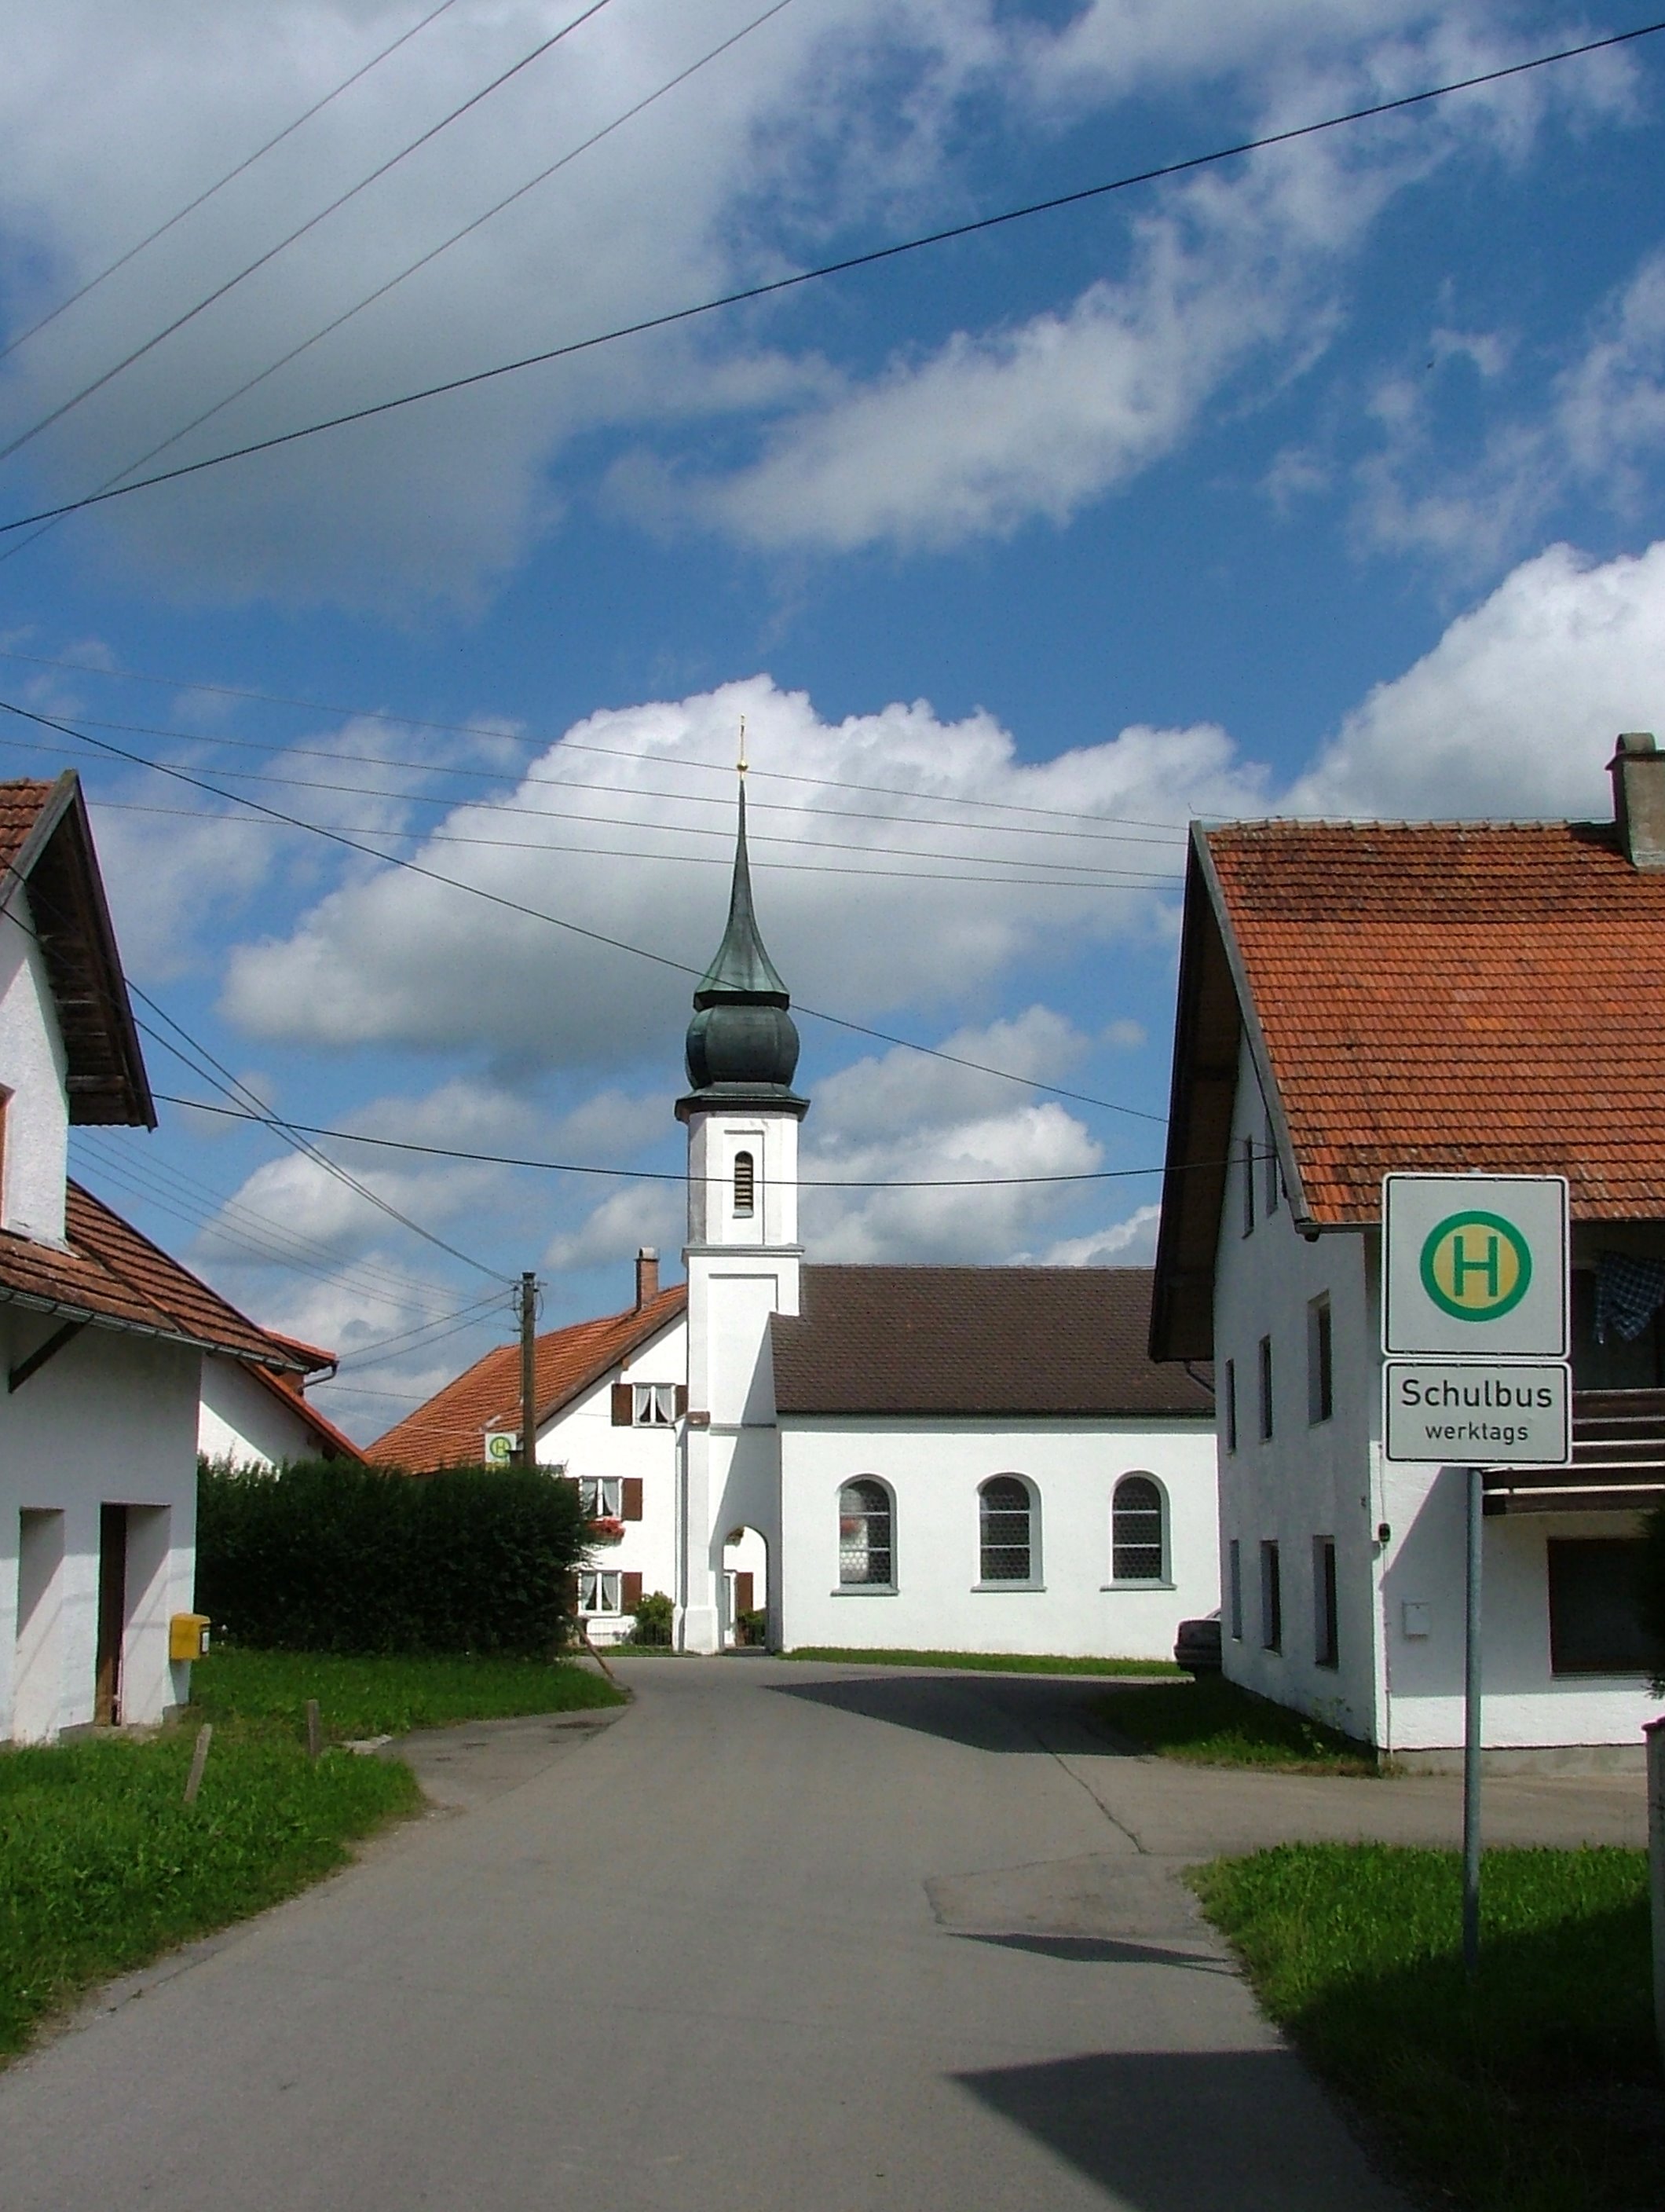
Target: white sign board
column 1474, row 1267
column 1509, row 1413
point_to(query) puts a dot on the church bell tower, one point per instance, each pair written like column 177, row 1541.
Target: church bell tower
column 742, row 1256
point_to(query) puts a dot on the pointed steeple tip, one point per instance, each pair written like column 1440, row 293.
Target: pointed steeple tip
column 742, row 969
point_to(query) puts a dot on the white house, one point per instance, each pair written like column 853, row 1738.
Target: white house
column 259, row 1417
column 102, row 1336
column 1359, row 998
column 915, row 1457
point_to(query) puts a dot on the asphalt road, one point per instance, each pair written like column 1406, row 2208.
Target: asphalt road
column 781, row 1939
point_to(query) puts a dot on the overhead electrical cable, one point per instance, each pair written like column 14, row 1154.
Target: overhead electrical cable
column 568, row 744
column 230, row 284
column 560, row 921
column 346, row 315
column 771, row 287
column 248, row 161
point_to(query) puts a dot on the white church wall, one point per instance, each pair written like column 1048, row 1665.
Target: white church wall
column 33, row 1072
column 582, row 1438
column 111, row 1419
column 242, row 1421
column 933, row 1469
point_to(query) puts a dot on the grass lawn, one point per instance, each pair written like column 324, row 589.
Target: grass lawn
column 1537, row 2091
column 102, row 1864
column 1211, row 1723
column 989, row 1662
column 375, row 1696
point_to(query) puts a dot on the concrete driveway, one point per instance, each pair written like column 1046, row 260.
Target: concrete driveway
column 782, row 1939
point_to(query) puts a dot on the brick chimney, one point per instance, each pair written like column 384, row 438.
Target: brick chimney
column 647, row 1265
column 1638, row 769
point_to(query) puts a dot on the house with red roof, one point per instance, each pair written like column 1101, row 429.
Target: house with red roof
column 261, row 1417
column 1361, row 998
column 918, row 1457
column 103, row 1337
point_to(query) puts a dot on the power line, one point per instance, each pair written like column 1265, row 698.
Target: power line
column 467, row 1317
column 558, row 921
column 725, row 769
column 57, row 414
column 422, row 262
column 677, row 1174
column 220, row 183
column 868, row 259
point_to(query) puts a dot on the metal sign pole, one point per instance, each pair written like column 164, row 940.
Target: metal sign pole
column 1471, row 1735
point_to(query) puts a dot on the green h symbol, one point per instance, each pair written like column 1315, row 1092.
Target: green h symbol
column 1462, row 1267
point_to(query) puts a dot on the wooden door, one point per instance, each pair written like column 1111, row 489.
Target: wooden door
column 112, row 1612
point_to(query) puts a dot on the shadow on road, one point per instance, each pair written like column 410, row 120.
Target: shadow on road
column 986, row 1712
column 1203, row 2131
column 1100, row 1951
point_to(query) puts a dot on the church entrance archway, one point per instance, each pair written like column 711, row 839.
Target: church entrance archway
column 745, row 1589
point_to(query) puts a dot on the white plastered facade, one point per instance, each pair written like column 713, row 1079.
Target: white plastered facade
column 1398, row 1678
column 242, row 1422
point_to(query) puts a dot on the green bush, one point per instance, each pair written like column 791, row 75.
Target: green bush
column 652, row 1620
column 327, row 1558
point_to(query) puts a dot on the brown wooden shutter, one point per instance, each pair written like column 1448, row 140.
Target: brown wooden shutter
column 682, row 1400
column 743, row 1595
column 631, row 1509
column 623, row 1406
column 630, row 1593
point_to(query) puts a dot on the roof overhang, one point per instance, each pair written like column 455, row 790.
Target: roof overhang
column 91, row 1317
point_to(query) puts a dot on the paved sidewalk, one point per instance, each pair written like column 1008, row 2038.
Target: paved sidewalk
column 781, row 1936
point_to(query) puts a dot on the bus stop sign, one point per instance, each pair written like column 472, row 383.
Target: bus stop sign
column 1474, row 1267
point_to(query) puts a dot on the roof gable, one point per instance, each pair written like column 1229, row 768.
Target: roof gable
column 46, row 844
column 1436, row 995
column 1032, row 1342
column 449, row 1430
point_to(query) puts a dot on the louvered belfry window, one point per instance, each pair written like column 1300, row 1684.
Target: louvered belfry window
column 1136, row 1531
column 745, row 1183
column 864, row 1532
column 1006, row 1548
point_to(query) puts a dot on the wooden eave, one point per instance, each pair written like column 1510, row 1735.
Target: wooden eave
column 106, row 1082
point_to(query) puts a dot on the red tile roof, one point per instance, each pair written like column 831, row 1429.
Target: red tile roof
column 1482, row 995
column 450, row 1429
column 114, row 1278
column 1454, row 995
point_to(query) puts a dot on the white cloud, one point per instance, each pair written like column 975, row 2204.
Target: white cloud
column 1129, row 1244
column 1515, row 711
column 394, row 958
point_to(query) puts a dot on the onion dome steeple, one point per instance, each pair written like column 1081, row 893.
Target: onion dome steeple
column 742, row 1042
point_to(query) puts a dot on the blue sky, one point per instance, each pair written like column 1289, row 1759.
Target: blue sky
column 1325, row 480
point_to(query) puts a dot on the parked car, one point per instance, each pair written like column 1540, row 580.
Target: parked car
column 1197, row 1646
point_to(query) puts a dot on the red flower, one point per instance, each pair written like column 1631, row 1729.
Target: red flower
column 608, row 1529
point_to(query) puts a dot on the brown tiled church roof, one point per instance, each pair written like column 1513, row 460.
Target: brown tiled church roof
column 113, row 1276
column 976, row 1342
column 449, row 1430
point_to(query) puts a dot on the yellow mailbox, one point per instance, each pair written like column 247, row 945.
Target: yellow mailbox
column 187, row 1635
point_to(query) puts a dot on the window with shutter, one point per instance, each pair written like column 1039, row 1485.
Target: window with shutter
column 630, row 1505
column 623, row 1405
column 745, row 1183
column 630, row 1593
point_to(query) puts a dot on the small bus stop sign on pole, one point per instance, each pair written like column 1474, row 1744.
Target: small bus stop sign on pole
column 1474, row 1267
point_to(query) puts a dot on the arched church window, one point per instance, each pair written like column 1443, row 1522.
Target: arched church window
column 745, row 1183
column 1139, row 1530
column 865, row 1523
column 1005, row 1516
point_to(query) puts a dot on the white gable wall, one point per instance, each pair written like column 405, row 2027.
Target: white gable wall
column 932, row 1468
column 34, row 1069
column 242, row 1421
column 111, row 1419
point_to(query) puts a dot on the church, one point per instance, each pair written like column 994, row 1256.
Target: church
column 877, row 1458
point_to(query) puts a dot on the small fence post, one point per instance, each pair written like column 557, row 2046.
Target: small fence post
column 193, row 1781
column 1654, row 1732
column 314, row 1731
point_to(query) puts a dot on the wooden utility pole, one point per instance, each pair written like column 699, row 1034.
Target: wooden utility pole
column 528, row 1452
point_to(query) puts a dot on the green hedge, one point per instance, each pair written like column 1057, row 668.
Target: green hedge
column 327, row 1558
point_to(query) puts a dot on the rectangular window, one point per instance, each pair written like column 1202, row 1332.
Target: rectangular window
column 1321, row 1377
column 1595, row 1610
column 1272, row 1599
column 654, row 1405
column 599, row 1592
column 1275, row 1173
column 1326, row 1640
column 1246, row 1161
column 1234, row 1588
column 1265, row 1389
column 601, row 1498
column 1229, row 1405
